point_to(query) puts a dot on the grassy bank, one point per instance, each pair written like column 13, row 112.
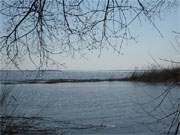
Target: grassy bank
column 156, row 75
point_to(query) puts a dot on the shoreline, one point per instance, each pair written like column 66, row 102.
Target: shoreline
column 52, row 81
column 164, row 75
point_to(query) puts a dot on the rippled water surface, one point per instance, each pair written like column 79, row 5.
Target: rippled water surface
column 97, row 108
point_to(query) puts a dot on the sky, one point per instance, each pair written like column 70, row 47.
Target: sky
column 148, row 48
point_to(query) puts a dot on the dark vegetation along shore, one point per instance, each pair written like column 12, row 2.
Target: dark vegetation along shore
column 166, row 75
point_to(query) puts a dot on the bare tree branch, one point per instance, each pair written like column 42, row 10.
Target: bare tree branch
column 50, row 26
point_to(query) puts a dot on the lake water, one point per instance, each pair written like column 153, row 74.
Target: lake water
column 98, row 108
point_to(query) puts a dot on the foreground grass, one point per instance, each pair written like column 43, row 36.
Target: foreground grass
column 156, row 75
column 11, row 125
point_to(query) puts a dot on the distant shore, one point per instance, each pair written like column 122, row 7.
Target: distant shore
column 165, row 75
column 51, row 81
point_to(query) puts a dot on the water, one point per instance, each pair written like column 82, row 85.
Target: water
column 101, row 108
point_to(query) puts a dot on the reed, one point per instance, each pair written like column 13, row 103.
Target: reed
column 171, row 74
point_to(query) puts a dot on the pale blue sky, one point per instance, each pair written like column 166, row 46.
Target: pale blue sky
column 149, row 44
column 134, row 54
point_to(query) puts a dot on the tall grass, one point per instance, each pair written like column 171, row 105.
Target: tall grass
column 168, row 75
